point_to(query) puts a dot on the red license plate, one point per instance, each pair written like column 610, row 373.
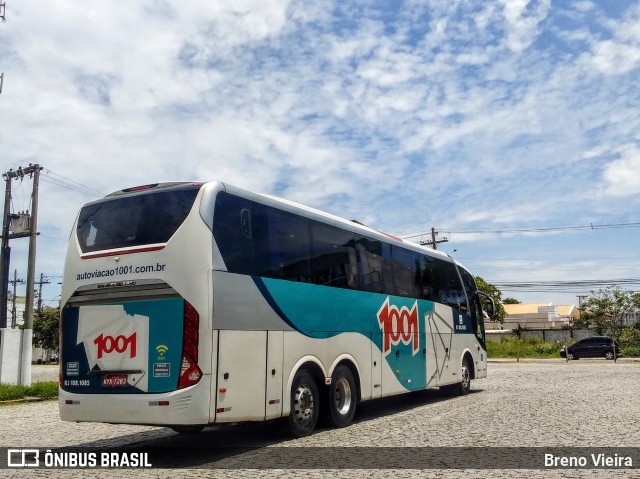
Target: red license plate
column 114, row 381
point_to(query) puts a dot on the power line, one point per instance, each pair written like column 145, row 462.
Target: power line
column 545, row 229
column 566, row 286
column 64, row 182
column 534, row 229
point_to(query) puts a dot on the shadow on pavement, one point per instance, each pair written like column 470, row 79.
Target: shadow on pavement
column 254, row 445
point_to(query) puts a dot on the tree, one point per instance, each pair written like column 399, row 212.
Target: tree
column 605, row 310
column 46, row 325
column 496, row 295
column 510, row 301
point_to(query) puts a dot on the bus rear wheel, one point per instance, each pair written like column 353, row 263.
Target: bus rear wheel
column 304, row 404
column 341, row 398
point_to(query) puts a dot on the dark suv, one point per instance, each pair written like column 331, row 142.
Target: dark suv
column 593, row 347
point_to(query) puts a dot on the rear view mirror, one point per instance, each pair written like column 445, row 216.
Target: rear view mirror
column 487, row 303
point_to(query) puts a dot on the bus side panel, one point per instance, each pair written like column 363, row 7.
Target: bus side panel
column 440, row 347
column 481, row 363
column 241, row 376
column 376, row 366
column 275, row 358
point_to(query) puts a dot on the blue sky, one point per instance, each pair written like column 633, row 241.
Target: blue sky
column 459, row 115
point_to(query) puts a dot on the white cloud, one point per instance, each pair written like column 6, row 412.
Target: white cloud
column 522, row 21
column 622, row 176
column 619, row 54
column 402, row 114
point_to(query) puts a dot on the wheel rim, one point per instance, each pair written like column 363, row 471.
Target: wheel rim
column 303, row 400
column 466, row 377
column 609, row 355
column 342, row 396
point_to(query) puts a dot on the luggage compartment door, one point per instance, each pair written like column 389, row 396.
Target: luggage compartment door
column 241, row 385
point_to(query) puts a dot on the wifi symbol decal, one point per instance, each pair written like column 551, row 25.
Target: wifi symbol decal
column 161, row 348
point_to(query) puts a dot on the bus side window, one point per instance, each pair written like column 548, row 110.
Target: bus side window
column 283, row 247
column 441, row 284
column 334, row 257
column 235, row 247
column 387, row 269
column 369, row 254
column 406, row 272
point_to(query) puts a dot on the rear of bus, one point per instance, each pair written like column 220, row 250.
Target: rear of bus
column 135, row 302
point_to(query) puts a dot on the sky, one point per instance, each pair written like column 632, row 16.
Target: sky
column 512, row 127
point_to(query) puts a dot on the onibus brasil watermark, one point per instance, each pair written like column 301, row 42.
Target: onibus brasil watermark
column 36, row 458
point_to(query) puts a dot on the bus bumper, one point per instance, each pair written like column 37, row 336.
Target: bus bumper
column 189, row 406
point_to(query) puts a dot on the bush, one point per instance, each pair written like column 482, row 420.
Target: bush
column 9, row 392
column 45, row 390
column 524, row 348
column 631, row 352
column 548, row 348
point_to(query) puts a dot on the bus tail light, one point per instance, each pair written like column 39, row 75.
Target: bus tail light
column 190, row 373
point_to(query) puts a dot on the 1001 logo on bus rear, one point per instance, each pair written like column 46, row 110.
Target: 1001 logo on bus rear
column 119, row 344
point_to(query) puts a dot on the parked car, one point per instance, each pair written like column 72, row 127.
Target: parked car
column 593, row 347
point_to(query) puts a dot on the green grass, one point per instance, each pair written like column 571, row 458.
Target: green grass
column 523, row 348
column 44, row 390
column 537, row 349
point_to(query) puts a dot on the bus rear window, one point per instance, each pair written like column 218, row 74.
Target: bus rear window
column 145, row 217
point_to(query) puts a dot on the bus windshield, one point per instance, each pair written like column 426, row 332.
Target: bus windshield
column 144, row 217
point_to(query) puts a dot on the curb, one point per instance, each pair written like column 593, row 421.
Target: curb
column 26, row 400
column 556, row 360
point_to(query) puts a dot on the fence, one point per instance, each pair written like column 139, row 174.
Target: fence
column 547, row 335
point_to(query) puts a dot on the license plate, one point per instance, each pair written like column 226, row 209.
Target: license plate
column 114, row 381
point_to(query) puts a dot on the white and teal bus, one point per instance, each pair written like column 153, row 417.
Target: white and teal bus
column 193, row 304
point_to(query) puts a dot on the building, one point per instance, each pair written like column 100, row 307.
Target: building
column 536, row 316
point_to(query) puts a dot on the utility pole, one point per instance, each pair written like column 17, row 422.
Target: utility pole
column 580, row 298
column 40, row 283
column 21, row 230
column 28, row 227
column 33, row 234
column 27, row 338
column 434, row 243
column 5, row 251
column 16, row 281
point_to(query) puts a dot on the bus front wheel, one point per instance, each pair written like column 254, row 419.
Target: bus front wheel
column 304, row 404
column 465, row 375
column 341, row 399
column 464, row 385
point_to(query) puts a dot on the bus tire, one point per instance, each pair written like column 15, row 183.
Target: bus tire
column 305, row 404
column 342, row 398
column 464, row 386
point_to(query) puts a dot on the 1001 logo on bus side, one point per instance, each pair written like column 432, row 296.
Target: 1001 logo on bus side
column 399, row 325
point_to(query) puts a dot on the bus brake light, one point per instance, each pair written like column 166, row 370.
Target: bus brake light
column 190, row 373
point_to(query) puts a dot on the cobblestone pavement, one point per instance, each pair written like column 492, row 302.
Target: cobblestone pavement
column 44, row 372
column 529, row 404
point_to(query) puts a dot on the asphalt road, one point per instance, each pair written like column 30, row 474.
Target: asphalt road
column 563, row 409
